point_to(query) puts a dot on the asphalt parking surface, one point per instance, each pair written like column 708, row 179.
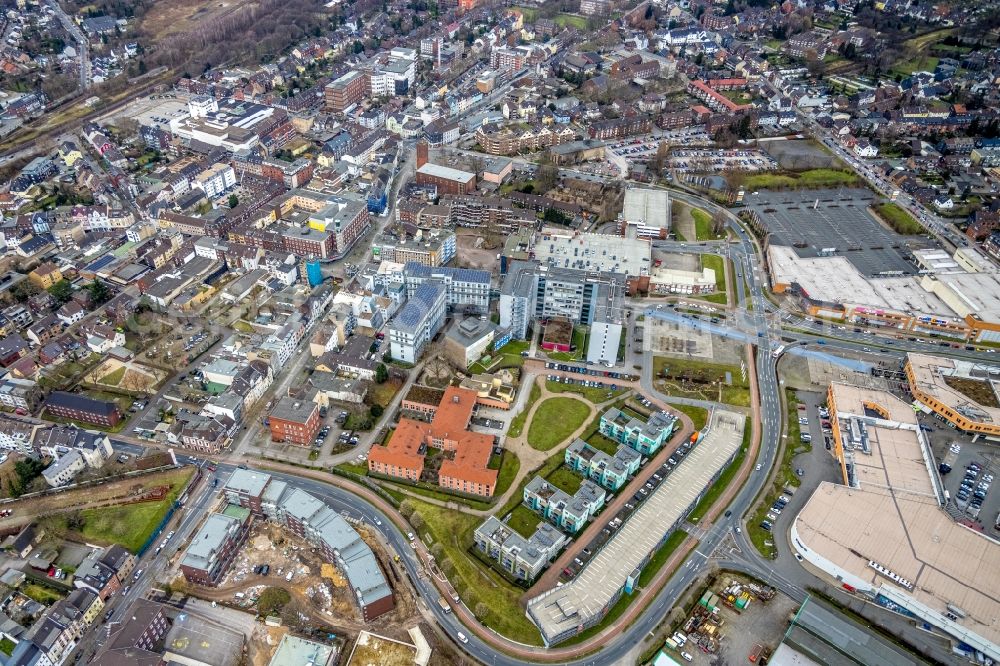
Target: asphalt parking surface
column 818, row 219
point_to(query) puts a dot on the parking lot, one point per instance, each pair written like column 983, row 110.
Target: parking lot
column 969, row 453
column 822, row 219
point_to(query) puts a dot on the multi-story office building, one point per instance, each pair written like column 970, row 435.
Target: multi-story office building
column 466, row 290
column 531, row 291
column 629, row 429
column 344, row 93
column 418, row 321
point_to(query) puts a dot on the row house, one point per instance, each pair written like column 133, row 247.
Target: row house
column 620, row 127
column 509, row 142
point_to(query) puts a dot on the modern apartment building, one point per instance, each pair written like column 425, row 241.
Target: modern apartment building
column 629, row 429
column 213, row 548
column 433, row 250
column 611, row 471
column 524, row 558
column 466, row 290
column 417, row 322
column 565, row 511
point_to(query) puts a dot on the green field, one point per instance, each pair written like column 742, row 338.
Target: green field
column 509, row 468
column 524, row 521
column 41, row 593
column 554, row 421
column 698, row 415
column 517, row 423
column 811, row 179
column 476, row 584
column 114, row 378
column 701, row 380
column 571, row 21
column 579, row 345
column 717, row 264
column 602, row 443
column 130, row 525
column 593, row 394
column 921, row 63
column 901, row 221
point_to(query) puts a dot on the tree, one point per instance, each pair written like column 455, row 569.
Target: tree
column 481, row 610
column 234, row 201
column 381, row 373
column 358, row 47
column 61, row 291
column 406, row 508
column 437, row 550
column 99, row 292
column 659, row 160
column 24, row 290
column 546, row 177
column 417, row 521
column 376, row 411
column 272, row 600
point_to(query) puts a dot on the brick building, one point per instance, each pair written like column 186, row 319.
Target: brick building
column 295, row 421
column 82, row 408
column 446, row 179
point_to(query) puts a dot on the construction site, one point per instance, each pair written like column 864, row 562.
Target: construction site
column 286, row 583
column 733, row 620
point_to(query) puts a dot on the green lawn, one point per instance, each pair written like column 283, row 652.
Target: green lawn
column 703, row 224
column 508, row 356
column 517, row 423
column 7, row 646
column 508, row 472
column 565, row 480
column 900, row 220
column 698, row 415
column 554, row 421
column 728, row 474
column 571, row 21
column 114, row 378
column 661, row 556
column 719, row 298
column 524, row 521
column 543, row 470
column 475, row 583
column 602, row 443
column 810, row 179
column 717, row 264
column 41, row 593
column 921, row 63
column 594, row 395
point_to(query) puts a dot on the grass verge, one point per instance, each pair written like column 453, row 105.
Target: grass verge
column 661, row 556
column 698, row 415
column 901, row 221
column 475, row 584
column 594, row 395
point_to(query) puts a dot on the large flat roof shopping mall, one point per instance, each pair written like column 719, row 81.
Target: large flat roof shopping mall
column 884, row 532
